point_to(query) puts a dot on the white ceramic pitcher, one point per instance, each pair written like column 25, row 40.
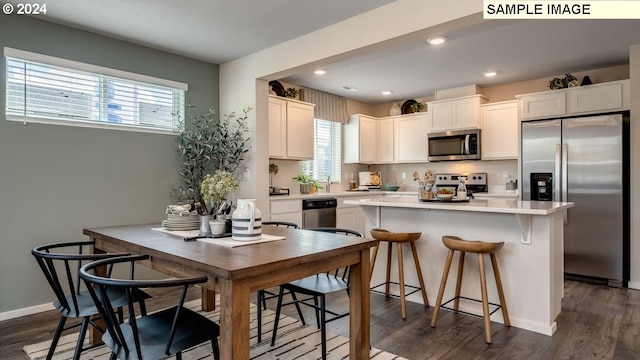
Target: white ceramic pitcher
column 246, row 221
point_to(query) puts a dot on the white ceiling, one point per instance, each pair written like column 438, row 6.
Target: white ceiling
column 222, row 30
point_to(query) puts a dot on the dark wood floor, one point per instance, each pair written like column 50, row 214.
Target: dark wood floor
column 597, row 322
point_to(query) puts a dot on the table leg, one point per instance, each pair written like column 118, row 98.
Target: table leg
column 95, row 337
column 208, row 299
column 359, row 308
column 234, row 320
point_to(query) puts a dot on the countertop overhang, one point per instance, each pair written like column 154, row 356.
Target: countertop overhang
column 505, row 206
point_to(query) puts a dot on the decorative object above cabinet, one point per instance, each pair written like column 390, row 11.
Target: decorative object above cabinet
column 581, row 100
column 290, row 129
column 455, row 114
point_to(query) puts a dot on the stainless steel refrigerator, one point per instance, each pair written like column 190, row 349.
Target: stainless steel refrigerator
column 584, row 160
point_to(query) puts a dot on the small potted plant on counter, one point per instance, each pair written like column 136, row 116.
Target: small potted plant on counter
column 307, row 184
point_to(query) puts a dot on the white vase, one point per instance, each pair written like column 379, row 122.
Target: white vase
column 246, row 221
column 395, row 110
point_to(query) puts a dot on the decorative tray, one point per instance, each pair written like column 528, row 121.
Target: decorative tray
column 446, row 201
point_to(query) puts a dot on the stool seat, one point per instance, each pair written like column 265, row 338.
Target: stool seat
column 386, row 235
column 398, row 238
column 470, row 246
column 454, row 243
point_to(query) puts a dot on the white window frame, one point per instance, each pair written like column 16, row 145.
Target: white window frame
column 176, row 88
column 309, row 167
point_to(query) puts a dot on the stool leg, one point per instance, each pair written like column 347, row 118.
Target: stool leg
column 443, row 284
column 386, row 287
column 373, row 259
column 419, row 270
column 456, row 302
column 485, row 300
column 403, row 304
column 503, row 303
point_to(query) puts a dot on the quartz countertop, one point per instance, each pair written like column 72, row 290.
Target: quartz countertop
column 506, row 206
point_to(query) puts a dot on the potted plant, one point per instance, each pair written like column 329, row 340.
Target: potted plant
column 273, row 169
column 208, row 144
column 216, row 188
column 417, row 107
column 307, row 184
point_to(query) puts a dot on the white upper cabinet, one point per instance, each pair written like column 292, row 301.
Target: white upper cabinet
column 455, row 114
column 290, row 129
column 499, row 130
column 582, row 100
column 385, row 140
column 360, row 138
column 398, row 139
column 277, row 128
column 410, row 133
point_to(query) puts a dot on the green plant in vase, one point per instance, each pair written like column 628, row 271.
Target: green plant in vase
column 216, row 188
column 206, row 144
column 306, row 183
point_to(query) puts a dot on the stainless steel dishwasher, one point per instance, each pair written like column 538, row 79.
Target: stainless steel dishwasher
column 319, row 212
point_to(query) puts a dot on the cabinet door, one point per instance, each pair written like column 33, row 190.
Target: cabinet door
column 500, row 131
column 440, row 116
column 345, row 218
column 410, row 138
column 385, row 140
column 299, row 130
column 465, row 113
column 543, row 105
column 294, row 217
column 277, row 128
column 601, row 97
column 367, row 138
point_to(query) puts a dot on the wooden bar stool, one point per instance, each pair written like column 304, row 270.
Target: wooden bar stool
column 454, row 243
column 399, row 239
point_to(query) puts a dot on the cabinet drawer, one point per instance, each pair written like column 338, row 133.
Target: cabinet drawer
column 286, row 206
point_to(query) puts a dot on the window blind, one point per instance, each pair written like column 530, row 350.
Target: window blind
column 327, row 151
column 50, row 93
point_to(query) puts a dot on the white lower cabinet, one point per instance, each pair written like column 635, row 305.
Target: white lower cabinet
column 287, row 210
column 351, row 216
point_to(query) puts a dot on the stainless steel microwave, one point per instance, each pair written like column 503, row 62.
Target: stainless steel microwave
column 454, row 145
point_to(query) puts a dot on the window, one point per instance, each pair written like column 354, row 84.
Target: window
column 327, row 151
column 45, row 89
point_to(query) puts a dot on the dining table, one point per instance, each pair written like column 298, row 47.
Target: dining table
column 235, row 272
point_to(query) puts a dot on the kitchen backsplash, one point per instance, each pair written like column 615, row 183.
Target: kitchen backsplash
column 495, row 170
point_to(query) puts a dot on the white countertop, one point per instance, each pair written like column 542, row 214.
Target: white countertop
column 506, row 206
column 323, row 194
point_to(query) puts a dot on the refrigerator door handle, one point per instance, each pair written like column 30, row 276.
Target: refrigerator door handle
column 557, row 195
column 565, row 180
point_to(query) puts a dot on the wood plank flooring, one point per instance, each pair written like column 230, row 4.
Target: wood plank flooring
column 597, row 322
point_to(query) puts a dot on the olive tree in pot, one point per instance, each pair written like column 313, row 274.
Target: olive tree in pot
column 208, row 144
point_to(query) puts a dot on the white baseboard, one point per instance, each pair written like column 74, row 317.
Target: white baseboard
column 634, row 285
column 25, row 311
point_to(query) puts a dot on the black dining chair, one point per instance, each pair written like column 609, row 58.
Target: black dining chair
column 264, row 295
column 316, row 287
column 60, row 264
column 150, row 336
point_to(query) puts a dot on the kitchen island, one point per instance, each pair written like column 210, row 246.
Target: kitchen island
column 531, row 262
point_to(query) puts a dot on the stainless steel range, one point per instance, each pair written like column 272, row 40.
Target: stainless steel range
column 475, row 182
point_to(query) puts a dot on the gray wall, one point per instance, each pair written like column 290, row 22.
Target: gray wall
column 56, row 180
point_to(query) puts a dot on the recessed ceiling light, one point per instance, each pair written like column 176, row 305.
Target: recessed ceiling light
column 320, row 72
column 490, row 73
column 387, row 92
column 349, row 88
column 436, row 40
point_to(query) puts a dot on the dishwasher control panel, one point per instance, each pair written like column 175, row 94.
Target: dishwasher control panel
column 310, row 204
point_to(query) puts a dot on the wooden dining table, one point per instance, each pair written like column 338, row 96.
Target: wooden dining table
column 236, row 272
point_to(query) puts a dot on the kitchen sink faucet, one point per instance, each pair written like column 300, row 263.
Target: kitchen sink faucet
column 328, row 188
